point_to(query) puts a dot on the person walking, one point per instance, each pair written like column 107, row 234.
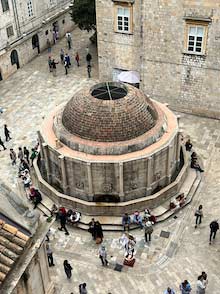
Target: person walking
column 7, row 133
column 98, row 233
column 82, row 288
column 67, row 59
column 20, row 154
column 148, row 228
column 54, row 67
column 88, row 58
column 13, row 156
column 89, row 70
column 2, row 144
column 48, row 46
column 62, row 56
column 50, row 64
column 200, row 285
column 185, row 287
column 37, row 198
column 198, row 215
column 49, row 255
column 77, row 58
column 66, row 67
column 91, row 228
column 103, row 255
column 69, row 40
column 63, row 218
column 169, row 291
column 214, row 227
column 34, row 154
column 26, row 154
column 67, row 268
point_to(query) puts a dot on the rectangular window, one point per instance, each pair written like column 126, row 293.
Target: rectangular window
column 5, row 5
column 30, row 8
column 123, row 19
column 196, row 36
column 10, row 31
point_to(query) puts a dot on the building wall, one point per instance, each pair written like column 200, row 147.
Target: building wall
column 156, row 49
column 45, row 14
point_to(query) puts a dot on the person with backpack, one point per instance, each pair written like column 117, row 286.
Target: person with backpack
column 67, row 268
column 214, row 227
column 37, row 198
column 82, row 288
column 148, row 231
column 198, row 215
column 185, row 287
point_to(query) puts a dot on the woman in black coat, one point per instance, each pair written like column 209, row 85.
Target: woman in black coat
column 68, row 269
column 98, row 233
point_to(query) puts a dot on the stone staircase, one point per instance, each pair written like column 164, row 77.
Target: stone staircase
column 162, row 212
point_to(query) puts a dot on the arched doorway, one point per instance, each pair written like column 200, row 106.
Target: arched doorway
column 14, row 58
column 35, row 43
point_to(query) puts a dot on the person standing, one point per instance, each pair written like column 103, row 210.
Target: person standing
column 63, row 218
column 148, row 228
column 13, row 156
column 205, row 278
column 48, row 46
column 88, row 58
column 37, row 198
column 20, row 154
column 169, row 291
column 54, row 67
column 2, row 144
column 126, row 221
column 34, row 154
column 214, row 227
column 67, row 268
column 69, row 40
column 98, row 233
column 62, row 55
column 200, row 286
column 91, row 228
column 7, row 133
column 26, row 154
column 66, row 67
column 77, row 58
column 67, row 59
column 49, row 255
column 50, row 64
column 89, row 70
column 103, row 255
column 82, row 289
column 185, row 287
column 198, row 215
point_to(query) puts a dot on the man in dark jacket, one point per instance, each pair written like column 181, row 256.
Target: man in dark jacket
column 7, row 133
column 214, row 227
column 2, row 144
column 63, row 217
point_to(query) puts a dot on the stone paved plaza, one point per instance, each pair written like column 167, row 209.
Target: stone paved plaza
column 27, row 97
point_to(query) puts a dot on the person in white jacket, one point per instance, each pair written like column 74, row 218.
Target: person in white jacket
column 200, row 285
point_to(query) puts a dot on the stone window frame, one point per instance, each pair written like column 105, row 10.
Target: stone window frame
column 10, row 31
column 129, row 6
column 5, row 5
column 191, row 23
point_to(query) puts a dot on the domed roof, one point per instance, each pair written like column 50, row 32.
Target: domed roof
column 109, row 112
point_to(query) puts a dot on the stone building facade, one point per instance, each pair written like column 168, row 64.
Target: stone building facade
column 25, row 27
column 174, row 45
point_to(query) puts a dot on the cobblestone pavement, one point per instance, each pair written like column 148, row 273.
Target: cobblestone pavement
column 27, row 97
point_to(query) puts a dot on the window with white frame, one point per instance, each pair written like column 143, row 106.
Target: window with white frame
column 196, row 38
column 30, row 8
column 123, row 19
column 10, row 31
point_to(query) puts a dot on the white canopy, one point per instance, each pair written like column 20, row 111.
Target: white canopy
column 131, row 77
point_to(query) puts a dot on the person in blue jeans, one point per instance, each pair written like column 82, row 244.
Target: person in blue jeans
column 185, row 287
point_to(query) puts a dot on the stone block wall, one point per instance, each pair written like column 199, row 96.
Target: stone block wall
column 157, row 50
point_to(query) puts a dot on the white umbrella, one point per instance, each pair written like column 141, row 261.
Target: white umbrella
column 131, row 77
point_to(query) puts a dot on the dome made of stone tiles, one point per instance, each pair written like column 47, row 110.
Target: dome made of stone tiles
column 109, row 112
